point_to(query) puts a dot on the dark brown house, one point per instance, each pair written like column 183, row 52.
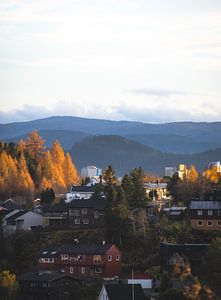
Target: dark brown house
column 46, row 285
column 87, row 213
column 205, row 215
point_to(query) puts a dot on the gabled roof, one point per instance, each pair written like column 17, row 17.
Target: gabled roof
column 87, row 249
column 205, row 205
column 49, row 252
column 124, row 291
column 15, row 216
column 99, row 204
column 10, row 205
column 57, row 207
column 75, row 248
column 36, row 276
column 82, row 189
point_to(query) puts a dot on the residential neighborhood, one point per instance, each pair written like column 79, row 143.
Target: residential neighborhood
column 129, row 237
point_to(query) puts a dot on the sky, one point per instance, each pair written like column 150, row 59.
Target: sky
column 153, row 61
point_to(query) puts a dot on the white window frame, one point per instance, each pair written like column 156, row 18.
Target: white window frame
column 199, row 212
column 96, row 214
column 86, row 221
column 117, row 257
column 219, row 223
column 77, row 221
column 82, row 270
column 64, row 257
column 71, row 270
column 200, row 223
column 84, row 211
column 109, row 258
column 98, row 270
column 209, row 224
column 210, row 212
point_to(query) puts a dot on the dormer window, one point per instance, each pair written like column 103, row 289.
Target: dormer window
column 210, row 212
column 199, row 212
column 64, row 257
column 84, row 211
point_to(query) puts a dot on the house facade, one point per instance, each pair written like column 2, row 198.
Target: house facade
column 87, row 213
column 195, row 253
column 45, row 285
column 80, row 192
column 83, row 260
column 205, row 215
column 21, row 221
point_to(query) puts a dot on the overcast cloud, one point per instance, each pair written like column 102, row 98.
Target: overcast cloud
column 152, row 61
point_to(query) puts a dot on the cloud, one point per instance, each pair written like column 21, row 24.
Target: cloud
column 171, row 108
column 159, row 92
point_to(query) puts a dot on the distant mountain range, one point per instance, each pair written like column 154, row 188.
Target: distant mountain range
column 125, row 144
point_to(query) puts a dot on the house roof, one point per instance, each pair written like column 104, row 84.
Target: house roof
column 45, row 276
column 57, row 207
column 205, row 205
column 99, row 204
column 124, row 291
column 80, row 249
column 49, row 252
column 87, row 249
column 83, row 189
column 139, row 275
column 15, row 216
column 10, row 205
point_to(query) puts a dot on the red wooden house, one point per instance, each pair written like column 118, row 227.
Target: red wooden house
column 83, row 260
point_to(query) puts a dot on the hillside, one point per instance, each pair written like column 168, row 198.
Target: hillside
column 183, row 137
column 124, row 154
column 66, row 138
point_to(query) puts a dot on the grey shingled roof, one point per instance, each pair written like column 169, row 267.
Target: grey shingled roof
column 89, row 203
column 87, row 249
column 205, row 205
column 124, row 292
column 15, row 216
column 36, row 276
column 82, row 189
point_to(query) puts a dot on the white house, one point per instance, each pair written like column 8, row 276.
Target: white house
column 80, row 192
column 90, row 171
column 21, row 220
column 144, row 280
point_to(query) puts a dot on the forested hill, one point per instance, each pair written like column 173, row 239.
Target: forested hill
column 180, row 138
column 124, row 154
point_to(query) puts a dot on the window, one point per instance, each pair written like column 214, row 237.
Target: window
column 200, row 223
column 84, row 211
column 97, row 258
column 218, row 223
column 117, row 257
column 96, row 214
column 82, row 270
column 219, row 212
column 109, row 257
column 98, row 270
column 210, row 212
column 86, row 221
column 64, row 257
column 75, row 212
column 77, row 221
column 209, row 223
column 199, row 212
column 71, row 270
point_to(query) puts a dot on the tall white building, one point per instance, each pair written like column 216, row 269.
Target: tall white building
column 90, row 171
column 170, row 171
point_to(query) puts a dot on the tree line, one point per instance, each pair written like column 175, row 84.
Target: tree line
column 28, row 167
